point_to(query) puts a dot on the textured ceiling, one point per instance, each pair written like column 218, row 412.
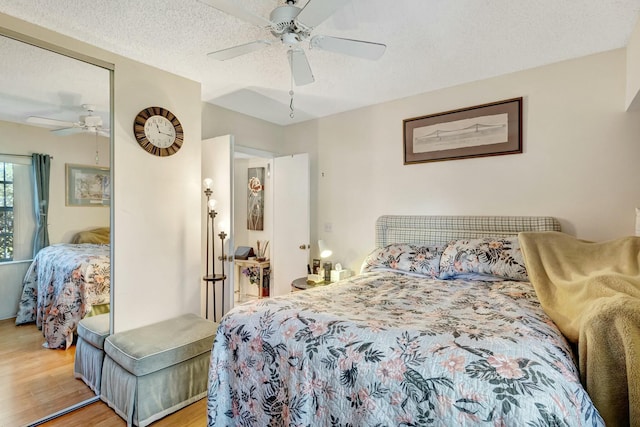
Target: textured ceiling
column 431, row 44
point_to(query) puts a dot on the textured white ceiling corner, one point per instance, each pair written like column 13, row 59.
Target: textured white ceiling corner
column 431, row 44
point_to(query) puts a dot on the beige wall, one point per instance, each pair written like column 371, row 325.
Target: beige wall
column 157, row 202
column 156, row 224
column 247, row 131
column 633, row 70
column 579, row 164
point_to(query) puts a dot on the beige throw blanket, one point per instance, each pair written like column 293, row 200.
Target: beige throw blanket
column 592, row 292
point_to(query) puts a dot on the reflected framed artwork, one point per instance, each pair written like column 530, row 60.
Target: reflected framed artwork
column 87, row 185
column 483, row 130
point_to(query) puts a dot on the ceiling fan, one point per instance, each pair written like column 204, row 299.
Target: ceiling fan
column 291, row 25
column 87, row 123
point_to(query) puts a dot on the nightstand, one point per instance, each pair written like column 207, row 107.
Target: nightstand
column 301, row 284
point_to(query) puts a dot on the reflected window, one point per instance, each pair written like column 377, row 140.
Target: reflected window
column 6, row 212
column 17, row 219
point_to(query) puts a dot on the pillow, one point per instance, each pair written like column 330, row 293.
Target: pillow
column 490, row 257
column 422, row 260
column 100, row 235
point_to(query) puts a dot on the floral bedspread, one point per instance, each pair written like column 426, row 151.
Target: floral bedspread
column 61, row 286
column 388, row 349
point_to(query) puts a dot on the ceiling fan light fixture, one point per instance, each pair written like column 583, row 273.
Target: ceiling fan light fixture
column 92, row 122
column 290, row 39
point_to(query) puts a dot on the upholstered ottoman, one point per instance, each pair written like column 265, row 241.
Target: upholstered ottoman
column 152, row 371
column 89, row 355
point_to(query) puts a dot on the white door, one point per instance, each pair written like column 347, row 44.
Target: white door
column 217, row 164
column 291, row 209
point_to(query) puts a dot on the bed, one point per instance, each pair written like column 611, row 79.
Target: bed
column 440, row 328
column 64, row 283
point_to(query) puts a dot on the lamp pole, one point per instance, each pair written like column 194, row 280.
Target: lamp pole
column 207, row 192
column 212, row 215
column 222, row 236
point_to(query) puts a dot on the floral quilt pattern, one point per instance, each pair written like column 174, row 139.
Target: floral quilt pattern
column 424, row 260
column 388, row 349
column 491, row 257
column 61, row 286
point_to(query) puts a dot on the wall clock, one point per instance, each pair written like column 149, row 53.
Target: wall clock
column 158, row 131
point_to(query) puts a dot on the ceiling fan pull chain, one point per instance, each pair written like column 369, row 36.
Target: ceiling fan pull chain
column 291, row 102
column 97, row 154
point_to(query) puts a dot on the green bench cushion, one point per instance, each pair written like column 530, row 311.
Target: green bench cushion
column 94, row 329
column 150, row 348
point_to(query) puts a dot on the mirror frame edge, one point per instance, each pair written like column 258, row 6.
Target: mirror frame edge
column 111, row 68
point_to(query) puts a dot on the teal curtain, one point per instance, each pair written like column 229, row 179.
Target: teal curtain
column 41, row 172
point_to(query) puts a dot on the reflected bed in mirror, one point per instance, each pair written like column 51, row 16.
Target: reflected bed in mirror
column 69, row 278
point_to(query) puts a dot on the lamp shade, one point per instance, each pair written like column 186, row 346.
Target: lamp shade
column 324, row 250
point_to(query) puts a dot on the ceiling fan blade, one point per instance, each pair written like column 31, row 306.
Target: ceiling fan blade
column 300, row 69
column 359, row 48
column 48, row 122
column 67, row 131
column 232, row 52
column 231, row 7
column 316, row 12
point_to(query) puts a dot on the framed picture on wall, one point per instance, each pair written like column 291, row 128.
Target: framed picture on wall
column 87, row 185
column 483, row 130
column 255, row 199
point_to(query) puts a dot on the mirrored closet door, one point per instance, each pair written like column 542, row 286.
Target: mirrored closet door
column 59, row 106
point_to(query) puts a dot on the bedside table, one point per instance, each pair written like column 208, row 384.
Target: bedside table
column 301, row 284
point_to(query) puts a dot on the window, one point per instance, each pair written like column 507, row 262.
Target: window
column 6, row 211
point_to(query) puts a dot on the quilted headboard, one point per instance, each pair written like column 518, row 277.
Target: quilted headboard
column 433, row 230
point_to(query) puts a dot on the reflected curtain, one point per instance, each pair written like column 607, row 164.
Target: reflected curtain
column 41, row 172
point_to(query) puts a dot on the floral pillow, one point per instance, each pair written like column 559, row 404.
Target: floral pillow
column 422, row 260
column 490, row 257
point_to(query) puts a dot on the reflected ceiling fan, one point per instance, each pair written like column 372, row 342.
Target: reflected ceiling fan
column 89, row 123
column 291, row 25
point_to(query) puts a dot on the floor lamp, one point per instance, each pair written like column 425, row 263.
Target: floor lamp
column 212, row 278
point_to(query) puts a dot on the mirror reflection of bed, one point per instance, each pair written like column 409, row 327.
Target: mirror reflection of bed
column 38, row 380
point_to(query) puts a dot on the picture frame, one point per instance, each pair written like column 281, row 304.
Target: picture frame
column 483, row 130
column 255, row 199
column 88, row 186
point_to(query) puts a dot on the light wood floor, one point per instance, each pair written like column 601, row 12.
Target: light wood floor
column 35, row 382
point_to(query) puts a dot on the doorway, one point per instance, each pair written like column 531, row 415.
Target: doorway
column 253, row 218
column 283, row 231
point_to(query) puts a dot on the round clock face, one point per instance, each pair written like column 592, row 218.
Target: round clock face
column 158, row 131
